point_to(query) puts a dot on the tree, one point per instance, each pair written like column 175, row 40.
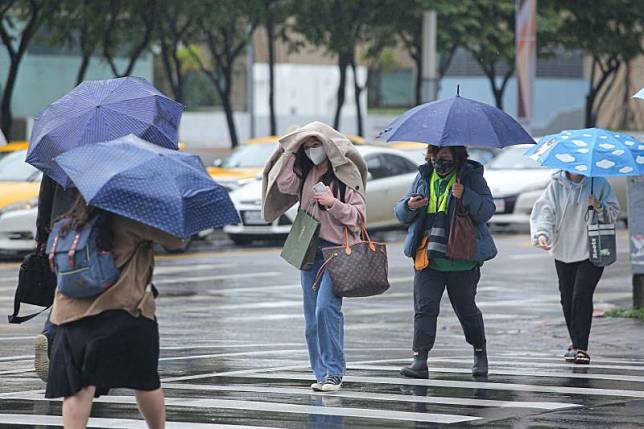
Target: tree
column 224, row 29
column 275, row 14
column 78, row 25
column 404, row 24
column 610, row 32
column 176, row 22
column 338, row 26
column 489, row 38
column 20, row 20
column 129, row 26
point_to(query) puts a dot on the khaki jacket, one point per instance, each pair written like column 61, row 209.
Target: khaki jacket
column 348, row 166
column 133, row 255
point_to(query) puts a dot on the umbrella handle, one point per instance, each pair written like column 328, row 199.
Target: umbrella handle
column 592, row 183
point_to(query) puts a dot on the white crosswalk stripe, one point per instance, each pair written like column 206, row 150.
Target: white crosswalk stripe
column 372, row 392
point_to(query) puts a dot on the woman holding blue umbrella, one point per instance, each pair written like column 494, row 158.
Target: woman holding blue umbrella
column 560, row 217
column 446, row 181
column 449, row 185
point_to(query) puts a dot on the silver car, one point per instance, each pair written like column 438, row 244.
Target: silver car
column 391, row 173
column 516, row 182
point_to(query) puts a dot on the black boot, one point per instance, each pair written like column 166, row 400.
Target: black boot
column 418, row 368
column 480, row 362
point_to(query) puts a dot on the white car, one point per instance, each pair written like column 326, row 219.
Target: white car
column 17, row 230
column 391, row 173
column 517, row 181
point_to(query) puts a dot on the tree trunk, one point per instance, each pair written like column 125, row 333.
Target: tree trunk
column 6, row 118
column 626, row 97
column 82, row 70
column 358, row 92
column 270, row 33
column 589, row 121
column 342, row 66
column 228, row 108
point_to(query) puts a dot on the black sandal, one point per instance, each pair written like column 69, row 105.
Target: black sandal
column 582, row 357
column 569, row 356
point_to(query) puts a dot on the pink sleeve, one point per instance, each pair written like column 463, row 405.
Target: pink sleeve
column 350, row 213
column 287, row 180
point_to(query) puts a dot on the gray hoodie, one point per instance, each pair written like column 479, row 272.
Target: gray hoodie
column 560, row 215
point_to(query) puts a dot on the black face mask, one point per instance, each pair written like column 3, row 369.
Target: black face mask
column 443, row 166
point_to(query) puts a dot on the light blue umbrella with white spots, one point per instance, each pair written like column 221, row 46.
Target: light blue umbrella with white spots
column 640, row 94
column 592, row 152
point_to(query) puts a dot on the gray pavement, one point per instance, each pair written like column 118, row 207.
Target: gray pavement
column 233, row 352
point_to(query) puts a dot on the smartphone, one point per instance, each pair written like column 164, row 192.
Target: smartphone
column 319, row 187
column 417, row 196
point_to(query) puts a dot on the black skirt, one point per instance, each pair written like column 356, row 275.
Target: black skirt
column 110, row 350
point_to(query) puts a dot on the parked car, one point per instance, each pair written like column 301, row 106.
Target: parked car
column 391, row 173
column 516, row 182
column 418, row 151
column 246, row 162
column 7, row 148
column 19, row 186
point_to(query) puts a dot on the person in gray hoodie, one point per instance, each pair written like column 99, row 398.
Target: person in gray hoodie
column 558, row 225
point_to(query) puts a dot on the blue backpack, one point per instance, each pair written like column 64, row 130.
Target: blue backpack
column 82, row 269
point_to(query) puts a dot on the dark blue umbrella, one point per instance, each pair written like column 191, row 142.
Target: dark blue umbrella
column 456, row 121
column 102, row 110
column 163, row 188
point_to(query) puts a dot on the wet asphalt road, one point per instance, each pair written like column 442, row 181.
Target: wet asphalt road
column 233, row 353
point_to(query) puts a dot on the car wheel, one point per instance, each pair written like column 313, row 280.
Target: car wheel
column 240, row 239
column 182, row 249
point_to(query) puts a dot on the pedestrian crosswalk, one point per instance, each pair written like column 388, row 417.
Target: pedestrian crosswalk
column 520, row 387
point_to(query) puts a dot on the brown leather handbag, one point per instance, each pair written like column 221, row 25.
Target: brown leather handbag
column 356, row 270
column 461, row 243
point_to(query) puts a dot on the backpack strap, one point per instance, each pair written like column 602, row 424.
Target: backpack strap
column 72, row 250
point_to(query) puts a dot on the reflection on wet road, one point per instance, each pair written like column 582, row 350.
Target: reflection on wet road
column 233, row 353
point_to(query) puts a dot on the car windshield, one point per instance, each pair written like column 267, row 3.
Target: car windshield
column 513, row 158
column 13, row 168
column 250, row 156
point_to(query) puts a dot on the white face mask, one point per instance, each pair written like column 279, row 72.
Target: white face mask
column 317, row 155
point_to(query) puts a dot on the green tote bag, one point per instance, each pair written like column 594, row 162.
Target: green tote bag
column 302, row 241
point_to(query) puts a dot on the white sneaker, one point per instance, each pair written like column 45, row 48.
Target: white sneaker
column 332, row 383
column 317, row 387
column 41, row 357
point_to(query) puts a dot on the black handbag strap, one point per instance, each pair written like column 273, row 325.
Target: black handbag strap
column 15, row 319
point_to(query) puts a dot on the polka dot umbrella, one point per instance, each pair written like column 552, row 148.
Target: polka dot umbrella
column 102, row 110
column 592, row 152
column 162, row 188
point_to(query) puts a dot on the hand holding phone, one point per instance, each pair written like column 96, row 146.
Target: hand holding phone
column 319, row 187
column 416, row 201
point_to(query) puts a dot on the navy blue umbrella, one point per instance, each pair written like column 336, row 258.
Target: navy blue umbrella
column 456, row 121
column 163, row 188
column 102, row 110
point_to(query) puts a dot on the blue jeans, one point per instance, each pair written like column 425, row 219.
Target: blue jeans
column 324, row 322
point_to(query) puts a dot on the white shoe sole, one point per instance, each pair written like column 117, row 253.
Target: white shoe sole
column 41, row 357
column 316, row 387
column 331, row 387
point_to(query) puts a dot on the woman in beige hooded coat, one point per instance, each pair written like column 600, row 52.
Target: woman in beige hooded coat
column 312, row 154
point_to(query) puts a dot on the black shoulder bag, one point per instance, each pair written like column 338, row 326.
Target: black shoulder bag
column 36, row 285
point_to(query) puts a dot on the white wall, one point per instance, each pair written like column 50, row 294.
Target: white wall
column 303, row 93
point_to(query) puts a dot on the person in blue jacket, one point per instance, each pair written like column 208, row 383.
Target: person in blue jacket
column 447, row 178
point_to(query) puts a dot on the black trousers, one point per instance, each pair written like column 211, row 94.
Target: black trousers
column 577, row 283
column 461, row 286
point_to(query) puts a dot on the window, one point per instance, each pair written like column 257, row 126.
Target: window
column 397, row 165
column 376, row 167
